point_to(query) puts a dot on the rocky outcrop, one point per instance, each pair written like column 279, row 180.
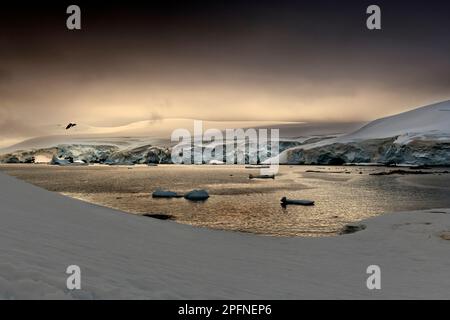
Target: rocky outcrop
column 197, row 195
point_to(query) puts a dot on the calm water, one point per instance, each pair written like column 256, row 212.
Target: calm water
column 342, row 194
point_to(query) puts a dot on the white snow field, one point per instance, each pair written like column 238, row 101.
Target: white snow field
column 427, row 123
column 125, row 256
column 132, row 135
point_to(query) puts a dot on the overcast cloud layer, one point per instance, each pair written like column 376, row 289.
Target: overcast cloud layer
column 254, row 60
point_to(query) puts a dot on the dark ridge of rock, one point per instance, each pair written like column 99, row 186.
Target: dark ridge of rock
column 399, row 171
column 319, row 171
column 285, row 202
column 159, row 216
column 404, row 172
column 263, row 176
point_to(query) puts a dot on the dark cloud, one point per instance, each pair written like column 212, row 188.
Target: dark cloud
column 5, row 76
column 222, row 60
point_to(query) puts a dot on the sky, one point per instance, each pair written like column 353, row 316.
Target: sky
column 306, row 61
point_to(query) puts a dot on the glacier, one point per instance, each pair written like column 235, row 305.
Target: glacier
column 417, row 137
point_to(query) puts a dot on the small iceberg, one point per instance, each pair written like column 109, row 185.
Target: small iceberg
column 216, row 162
column 159, row 193
column 197, row 195
column 79, row 163
column 285, row 201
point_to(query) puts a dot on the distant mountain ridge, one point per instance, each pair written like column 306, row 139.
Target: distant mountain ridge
column 417, row 137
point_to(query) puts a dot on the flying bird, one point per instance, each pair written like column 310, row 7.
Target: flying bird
column 70, row 125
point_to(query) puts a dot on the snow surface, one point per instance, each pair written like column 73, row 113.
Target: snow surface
column 431, row 122
column 135, row 257
column 132, row 135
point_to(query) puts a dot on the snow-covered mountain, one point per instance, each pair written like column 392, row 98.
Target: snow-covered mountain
column 155, row 132
column 417, row 137
column 135, row 143
column 428, row 122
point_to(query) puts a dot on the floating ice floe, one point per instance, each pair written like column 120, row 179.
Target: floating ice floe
column 216, row 162
column 159, row 193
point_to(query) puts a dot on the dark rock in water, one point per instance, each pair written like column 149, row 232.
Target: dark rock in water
column 197, row 195
column 285, row 201
column 165, row 194
column 258, row 167
column 12, row 159
column 399, row 171
column 352, row 228
column 420, row 167
column 29, row 160
column 321, row 171
column 264, row 176
column 159, row 216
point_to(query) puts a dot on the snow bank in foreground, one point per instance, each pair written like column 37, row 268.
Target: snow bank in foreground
column 135, row 257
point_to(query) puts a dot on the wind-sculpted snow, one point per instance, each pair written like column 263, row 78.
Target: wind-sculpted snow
column 123, row 256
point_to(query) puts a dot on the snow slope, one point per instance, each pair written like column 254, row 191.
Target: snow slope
column 428, row 126
column 432, row 121
column 132, row 135
column 135, row 257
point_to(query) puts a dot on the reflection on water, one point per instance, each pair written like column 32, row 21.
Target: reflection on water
column 342, row 194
